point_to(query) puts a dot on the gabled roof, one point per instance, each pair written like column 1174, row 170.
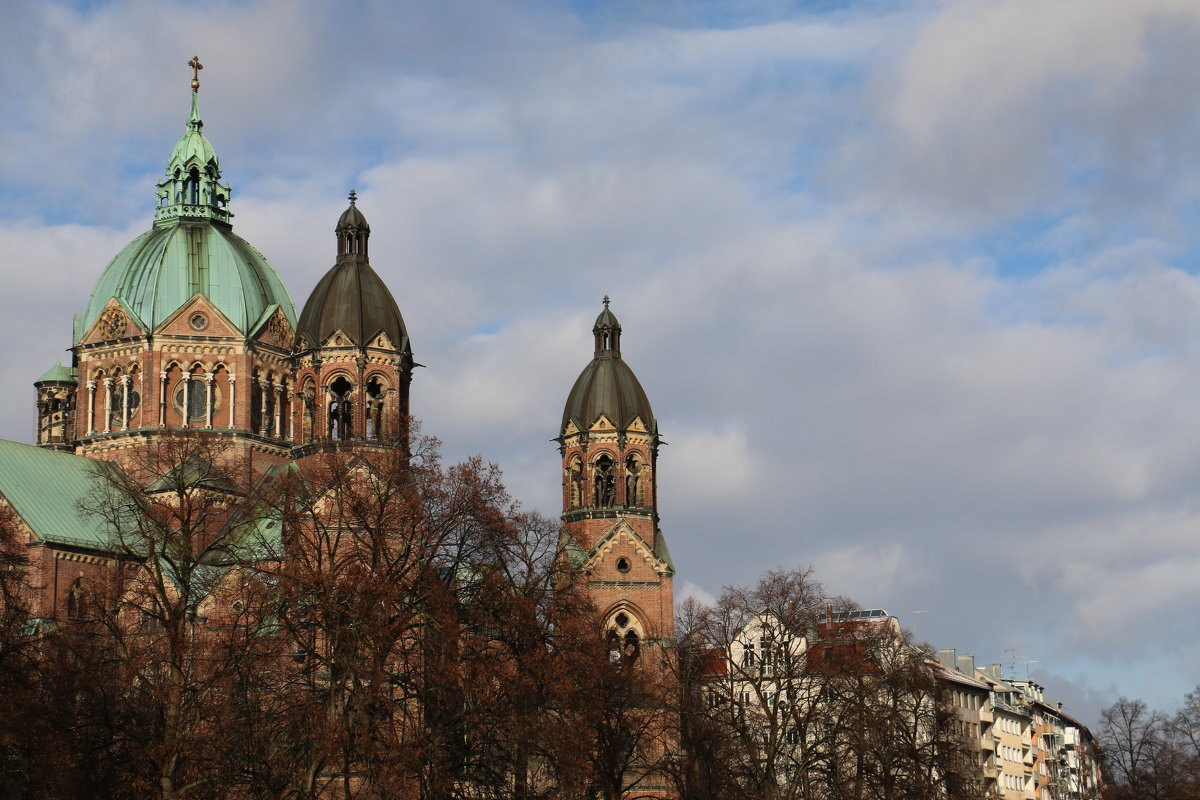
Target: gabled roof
column 46, row 488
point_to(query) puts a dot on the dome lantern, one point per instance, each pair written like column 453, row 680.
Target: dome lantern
column 607, row 386
column 193, row 188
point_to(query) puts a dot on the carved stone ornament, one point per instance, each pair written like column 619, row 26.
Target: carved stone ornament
column 198, row 321
column 277, row 328
column 112, row 324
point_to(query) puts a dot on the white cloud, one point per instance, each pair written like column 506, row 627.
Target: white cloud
column 843, row 373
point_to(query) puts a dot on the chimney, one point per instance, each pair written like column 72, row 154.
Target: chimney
column 966, row 665
column 947, row 659
column 994, row 671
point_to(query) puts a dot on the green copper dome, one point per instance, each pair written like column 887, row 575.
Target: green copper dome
column 156, row 273
column 191, row 249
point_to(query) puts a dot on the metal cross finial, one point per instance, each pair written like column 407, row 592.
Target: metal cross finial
column 196, row 67
column 353, row 196
column 606, row 301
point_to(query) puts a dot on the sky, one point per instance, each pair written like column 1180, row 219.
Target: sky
column 911, row 285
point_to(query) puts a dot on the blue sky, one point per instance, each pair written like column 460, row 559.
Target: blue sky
column 911, row 285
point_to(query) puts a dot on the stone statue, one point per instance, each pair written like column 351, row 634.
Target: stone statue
column 632, row 484
column 605, row 483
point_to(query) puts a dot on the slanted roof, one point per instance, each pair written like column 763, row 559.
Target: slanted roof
column 660, row 550
column 575, row 553
column 46, row 488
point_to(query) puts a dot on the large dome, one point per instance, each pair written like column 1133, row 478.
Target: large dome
column 158, row 272
column 607, row 385
column 191, row 249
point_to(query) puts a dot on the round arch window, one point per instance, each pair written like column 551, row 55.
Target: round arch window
column 197, row 399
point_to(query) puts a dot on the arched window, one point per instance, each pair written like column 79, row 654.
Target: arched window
column 309, row 398
column 575, row 480
column 634, row 490
column 194, row 187
column 604, row 483
column 374, row 417
column 77, row 601
column 340, row 409
column 624, row 639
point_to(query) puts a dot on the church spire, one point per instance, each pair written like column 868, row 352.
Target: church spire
column 193, row 187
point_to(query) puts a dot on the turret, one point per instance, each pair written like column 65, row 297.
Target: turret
column 608, row 441
column 355, row 360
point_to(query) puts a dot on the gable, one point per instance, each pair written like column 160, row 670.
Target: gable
column 273, row 328
column 114, row 322
column 602, row 423
column 198, row 317
column 623, row 538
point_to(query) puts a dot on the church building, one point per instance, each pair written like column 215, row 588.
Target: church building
column 190, row 328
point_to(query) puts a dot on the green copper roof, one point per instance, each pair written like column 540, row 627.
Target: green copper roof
column 165, row 267
column 45, row 487
column 193, row 187
column 661, row 552
column 193, row 146
column 58, row 373
column 190, row 250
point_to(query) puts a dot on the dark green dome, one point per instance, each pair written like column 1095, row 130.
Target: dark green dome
column 607, row 385
column 351, row 297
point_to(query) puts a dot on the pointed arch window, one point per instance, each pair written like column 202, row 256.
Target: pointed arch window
column 635, row 491
column 575, row 479
column 340, row 409
column 373, row 428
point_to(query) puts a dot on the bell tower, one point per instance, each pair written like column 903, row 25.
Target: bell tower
column 609, row 446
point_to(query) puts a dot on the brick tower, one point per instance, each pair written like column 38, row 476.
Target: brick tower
column 609, row 446
column 354, row 363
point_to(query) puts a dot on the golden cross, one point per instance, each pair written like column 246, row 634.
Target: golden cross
column 196, row 67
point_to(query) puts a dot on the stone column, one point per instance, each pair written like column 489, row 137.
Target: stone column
column 232, row 398
column 187, row 399
column 91, row 426
column 264, row 421
column 208, row 399
column 124, row 402
column 277, row 388
column 291, row 400
column 162, row 402
column 108, row 385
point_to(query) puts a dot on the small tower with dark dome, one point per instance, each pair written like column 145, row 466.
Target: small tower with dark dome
column 354, row 361
column 609, row 446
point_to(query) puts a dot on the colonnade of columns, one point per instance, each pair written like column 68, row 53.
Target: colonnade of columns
column 276, row 399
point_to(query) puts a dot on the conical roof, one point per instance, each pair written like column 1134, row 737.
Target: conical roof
column 57, row 374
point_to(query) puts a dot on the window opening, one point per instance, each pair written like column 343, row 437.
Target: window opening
column 340, row 409
column 605, row 482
